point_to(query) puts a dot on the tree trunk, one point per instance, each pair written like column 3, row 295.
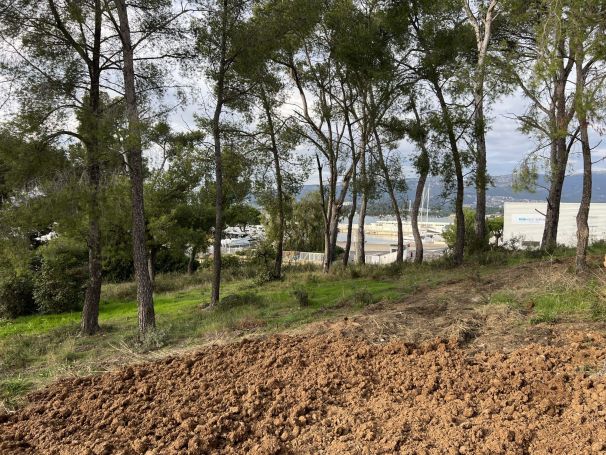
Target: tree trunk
column 350, row 217
column 392, row 197
column 327, row 214
column 559, row 158
column 281, row 227
column 481, row 179
column 338, row 206
column 151, row 264
column 423, row 166
column 482, row 26
column 327, row 251
column 583, row 214
column 459, row 247
column 216, row 279
column 354, row 192
column 361, row 241
column 216, row 132
column 192, row 260
column 414, row 217
column 90, row 311
column 334, row 230
column 554, row 198
column 147, row 319
column 277, row 273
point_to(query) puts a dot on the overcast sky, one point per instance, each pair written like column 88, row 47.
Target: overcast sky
column 506, row 145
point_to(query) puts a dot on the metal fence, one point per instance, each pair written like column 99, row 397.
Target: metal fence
column 302, row 257
column 229, row 249
column 305, row 257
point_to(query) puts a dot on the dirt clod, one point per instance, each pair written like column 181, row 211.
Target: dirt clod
column 330, row 394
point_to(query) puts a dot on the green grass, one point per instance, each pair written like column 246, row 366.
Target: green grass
column 35, row 350
column 40, row 348
column 12, row 391
column 557, row 304
column 578, row 300
column 507, row 298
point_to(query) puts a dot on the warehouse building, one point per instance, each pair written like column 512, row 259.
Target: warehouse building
column 523, row 223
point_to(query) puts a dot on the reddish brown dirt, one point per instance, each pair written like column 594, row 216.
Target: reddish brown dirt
column 329, row 394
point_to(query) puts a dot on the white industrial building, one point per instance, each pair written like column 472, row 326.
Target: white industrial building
column 525, row 221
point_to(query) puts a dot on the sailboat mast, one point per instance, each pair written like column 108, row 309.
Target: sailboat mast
column 427, row 209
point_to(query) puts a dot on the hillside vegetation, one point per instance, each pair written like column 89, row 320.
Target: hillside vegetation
column 516, row 291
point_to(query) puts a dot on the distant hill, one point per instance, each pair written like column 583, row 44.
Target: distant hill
column 501, row 192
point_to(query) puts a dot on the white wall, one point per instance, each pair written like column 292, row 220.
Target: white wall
column 525, row 220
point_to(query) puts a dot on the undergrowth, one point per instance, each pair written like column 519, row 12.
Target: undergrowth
column 37, row 349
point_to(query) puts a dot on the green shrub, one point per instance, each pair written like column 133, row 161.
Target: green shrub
column 492, row 257
column 16, row 295
column 12, row 392
column 362, row 297
column 229, row 261
column 355, row 272
column 171, row 261
column 598, row 310
column 118, row 263
column 237, row 300
column 120, row 291
column 265, row 275
column 264, row 255
column 171, row 282
column 60, row 282
column 301, row 296
column 598, row 247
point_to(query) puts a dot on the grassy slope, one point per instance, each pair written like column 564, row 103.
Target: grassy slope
column 35, row 350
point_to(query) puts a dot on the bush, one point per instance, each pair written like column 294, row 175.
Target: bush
column 171, row 282
column 124, row 291
column 60, row 282
column 264, row 276
column 301, row 296
column 228, row 262
column 362, row 297
column 238, row 300
column 171, row 260
column 264, row 255
column 118, row 263
column 16, row 295
column 494, row 228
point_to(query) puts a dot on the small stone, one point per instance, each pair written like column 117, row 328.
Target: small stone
column 598, row 447
column 469, row 412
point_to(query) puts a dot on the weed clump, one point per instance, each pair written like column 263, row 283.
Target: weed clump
column 11, row 393
column 238, row 300
column 363, row 297
column 360, row 297
column 598, row 310
column 301, row 296
column 264, row 276
column 154, row 339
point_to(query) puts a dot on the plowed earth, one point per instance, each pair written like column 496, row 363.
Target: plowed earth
column 334, row 394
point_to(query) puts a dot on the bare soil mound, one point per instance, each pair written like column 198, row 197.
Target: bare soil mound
column 329, row 394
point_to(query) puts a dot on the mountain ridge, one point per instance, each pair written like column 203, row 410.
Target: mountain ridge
column 501, row 191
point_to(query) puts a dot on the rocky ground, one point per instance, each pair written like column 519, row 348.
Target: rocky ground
column 331, row 394
column 443, row 372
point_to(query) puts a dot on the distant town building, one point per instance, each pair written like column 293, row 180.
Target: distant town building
column 523, row 223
